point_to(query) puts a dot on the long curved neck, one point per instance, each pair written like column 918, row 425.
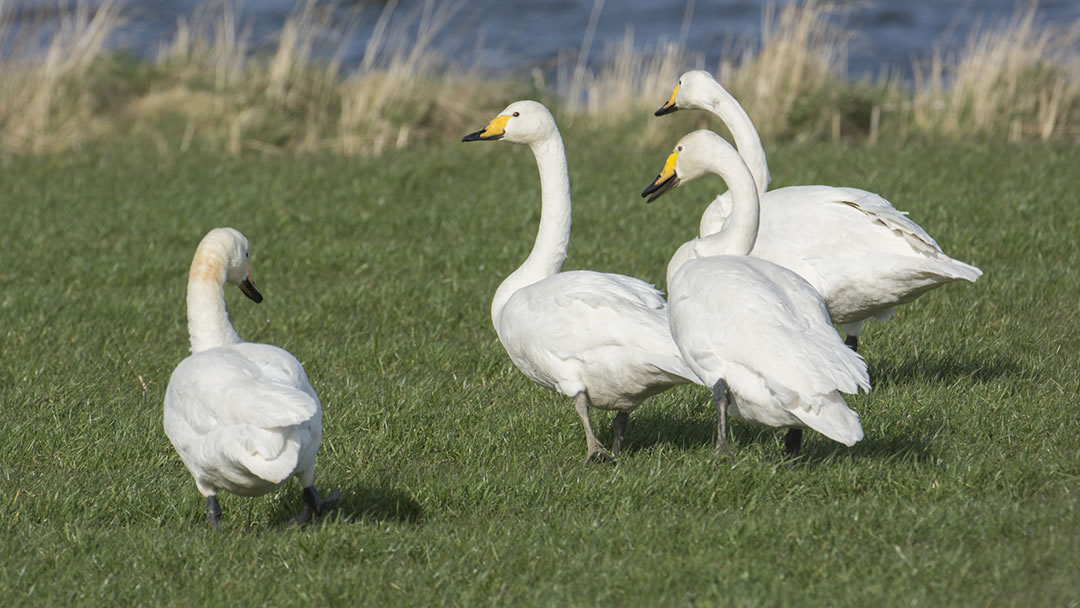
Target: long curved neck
column 747, row 140
column 208, row 323
column 740, row 230
column 553, row 237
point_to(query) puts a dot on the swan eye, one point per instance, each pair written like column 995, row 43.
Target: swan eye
column 516, row 114
column 678, row 148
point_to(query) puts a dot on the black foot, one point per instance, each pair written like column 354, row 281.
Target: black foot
column 315, row 506
column 852, row 342
column 600, row 456
column 213, row 511
column 793, row 443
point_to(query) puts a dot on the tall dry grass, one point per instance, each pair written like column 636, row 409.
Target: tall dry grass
column 212, row 84
column 1021, row 77
column 300, row 97
column 45, row 65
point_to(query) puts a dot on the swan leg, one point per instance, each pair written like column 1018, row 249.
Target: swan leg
column 315, row 506
column 793, row 443
column 213, row 511
column 618, row 428
column 596, row 452
column 851, row 342
column 852, row 331
column 722, row 398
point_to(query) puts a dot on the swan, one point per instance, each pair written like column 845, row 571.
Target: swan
column 756, row 333
column 242, row 416
column 601, row 339
column 862, row 255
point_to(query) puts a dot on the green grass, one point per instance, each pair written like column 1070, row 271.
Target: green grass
column 462, row 482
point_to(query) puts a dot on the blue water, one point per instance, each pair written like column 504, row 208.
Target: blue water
column 508, row 36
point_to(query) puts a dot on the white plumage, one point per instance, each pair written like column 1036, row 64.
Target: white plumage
column 754, row 331
column 242, row 416
column 862, row 255
column 601, row 339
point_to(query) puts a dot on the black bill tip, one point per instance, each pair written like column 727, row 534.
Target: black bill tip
column 479, row 136
column 248, row 289
column 667, row 108
column 659, row 188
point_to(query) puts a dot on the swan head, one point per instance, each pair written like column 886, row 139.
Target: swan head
column 694, row 156
column 522, row 122
column 692, row 92
column 224, row 253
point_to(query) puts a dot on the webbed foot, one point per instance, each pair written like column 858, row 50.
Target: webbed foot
column 315, row 506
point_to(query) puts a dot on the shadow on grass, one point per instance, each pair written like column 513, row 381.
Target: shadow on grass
column 380, row 503
column 891, row 448
column 649, row 429
column 942, row 368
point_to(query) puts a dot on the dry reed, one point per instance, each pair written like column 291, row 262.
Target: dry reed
column 293, row 93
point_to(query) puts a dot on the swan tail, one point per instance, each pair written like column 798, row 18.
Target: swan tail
column 962, row 271
column 269, row 454
column 829, row 415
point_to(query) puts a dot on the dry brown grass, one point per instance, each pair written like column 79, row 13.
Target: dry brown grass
column 58, row 85
column 44, row 101
column 1020, row 77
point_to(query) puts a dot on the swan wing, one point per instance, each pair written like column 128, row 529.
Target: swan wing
column 245, row 384
column 741, row 313
column 584, row 317
column 242, row 417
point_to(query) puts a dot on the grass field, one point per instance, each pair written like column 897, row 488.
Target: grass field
column 463, row 483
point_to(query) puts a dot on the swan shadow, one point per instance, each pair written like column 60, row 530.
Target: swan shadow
column 375, row 503
column 892, row 448
column 942, row 368
column 649, row 429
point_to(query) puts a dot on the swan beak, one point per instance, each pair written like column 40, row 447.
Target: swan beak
column 667, row 180
column 493, row 131
column 248, row 289
column 670, row 106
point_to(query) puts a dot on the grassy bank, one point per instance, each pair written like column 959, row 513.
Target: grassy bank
column 61, row 87
column 463, row 482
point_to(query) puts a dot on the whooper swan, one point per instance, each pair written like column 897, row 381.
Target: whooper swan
column 601, row 339
column 755, row 332
column 242, row 416
column 862, row 255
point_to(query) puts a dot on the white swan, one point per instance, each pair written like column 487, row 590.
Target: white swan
column 862, row 255
column 757, row 333
column 242, row 416
column 601, row 339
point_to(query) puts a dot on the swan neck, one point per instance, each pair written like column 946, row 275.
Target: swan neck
column 731, row 113
column 208, row 323
column 739, row 232
column 553, row 236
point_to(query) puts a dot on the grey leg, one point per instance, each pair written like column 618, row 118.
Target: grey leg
column 722, row 398
column 793, row 443
column 596, row 452
column 315, row 506
column 213, row 511
column 618, row 428
column 852, row 342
